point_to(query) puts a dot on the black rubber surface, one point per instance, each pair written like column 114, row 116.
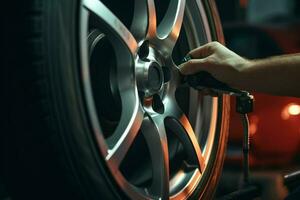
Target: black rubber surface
column 48, row 148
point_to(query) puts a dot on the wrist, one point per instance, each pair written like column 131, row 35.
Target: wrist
column 246, row 65
column 243, row 76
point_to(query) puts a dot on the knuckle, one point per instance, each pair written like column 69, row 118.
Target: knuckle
column 210, row 59
column 215, row 44
column 190, row 63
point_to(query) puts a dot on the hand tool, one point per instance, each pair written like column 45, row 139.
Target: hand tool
column 244, row 105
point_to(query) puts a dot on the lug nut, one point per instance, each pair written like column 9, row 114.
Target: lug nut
column 157, row 104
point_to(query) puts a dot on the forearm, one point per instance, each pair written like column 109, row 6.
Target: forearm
column 278, row 75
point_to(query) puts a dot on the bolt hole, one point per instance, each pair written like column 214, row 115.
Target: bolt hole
column 144, row 50
column 167, row 74
column 157, row 104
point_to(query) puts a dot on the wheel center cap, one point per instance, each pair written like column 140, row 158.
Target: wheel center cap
column 150, row 77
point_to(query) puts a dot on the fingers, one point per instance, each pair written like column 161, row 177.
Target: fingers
column 200, row 59
column 204, row 51
column 193, row 66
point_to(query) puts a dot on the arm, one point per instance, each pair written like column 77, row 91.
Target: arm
column 279, row 75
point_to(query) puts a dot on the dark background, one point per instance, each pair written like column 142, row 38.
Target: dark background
column 253, row 29
column 259, row 29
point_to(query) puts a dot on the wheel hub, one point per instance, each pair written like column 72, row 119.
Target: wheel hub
column 150, row 77
column 149, row 71
column 153, row 134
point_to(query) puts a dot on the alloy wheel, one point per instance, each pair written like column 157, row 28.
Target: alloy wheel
column 158, row 137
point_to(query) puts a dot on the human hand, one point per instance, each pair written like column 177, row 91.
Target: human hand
column 220, row 62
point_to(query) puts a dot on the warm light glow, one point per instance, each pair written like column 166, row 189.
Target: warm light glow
column 290, row 110
column 294, row 109
column 285, row 114
column 252, row 129
column 253, row 124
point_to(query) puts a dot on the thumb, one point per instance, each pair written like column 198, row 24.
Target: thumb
column 193, row 66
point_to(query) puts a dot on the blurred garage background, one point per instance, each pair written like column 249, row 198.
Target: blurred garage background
column 259, row 29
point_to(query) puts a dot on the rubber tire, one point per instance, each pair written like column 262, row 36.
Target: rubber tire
column 216, row 166
column 50, row 153
column 49, row 149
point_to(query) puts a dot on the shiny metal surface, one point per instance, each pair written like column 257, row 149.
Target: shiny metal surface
column 195, row 131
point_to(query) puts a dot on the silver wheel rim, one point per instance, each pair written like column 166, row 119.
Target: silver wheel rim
column 195, row 132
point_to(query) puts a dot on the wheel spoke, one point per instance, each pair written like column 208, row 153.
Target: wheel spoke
column 155, row 135
column 127, row 130
column 144, row 20
column 112, row 26
column 180, row 125
column 169, row 28
column 121, row 47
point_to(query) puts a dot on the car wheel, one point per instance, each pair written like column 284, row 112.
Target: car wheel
column 99, row 108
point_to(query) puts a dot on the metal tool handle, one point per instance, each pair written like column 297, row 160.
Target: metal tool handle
column 244, row 105
column 203, row 79
column 246, row 148
column 206, row 80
